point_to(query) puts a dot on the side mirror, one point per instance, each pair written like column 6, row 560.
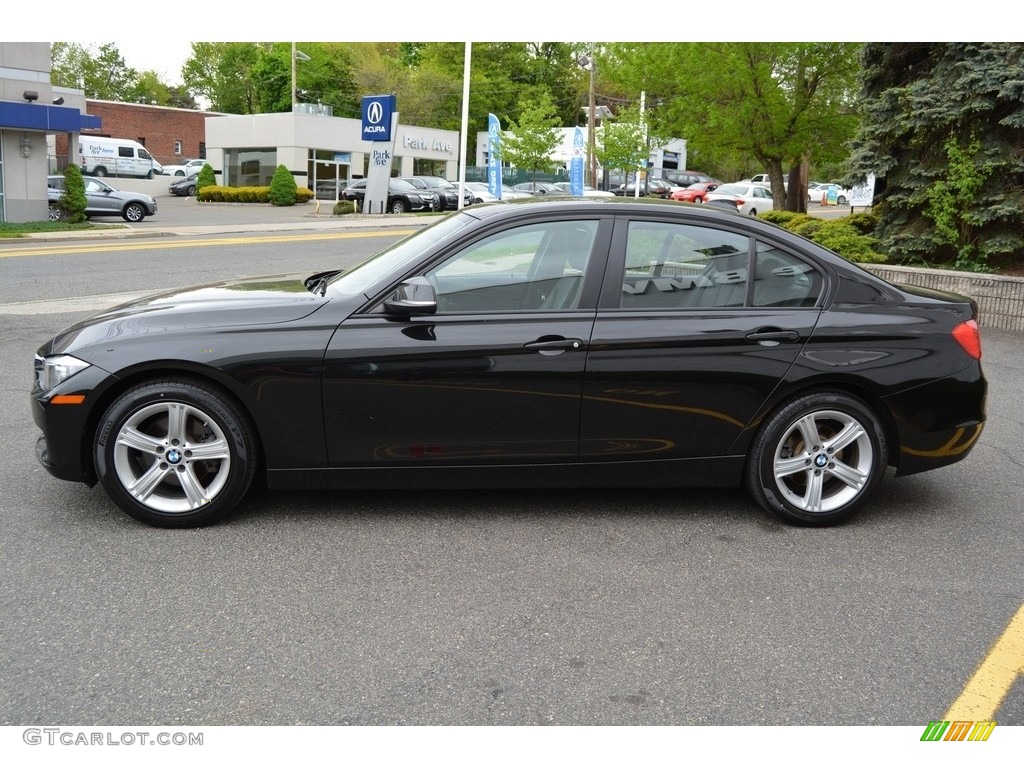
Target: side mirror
column 415, row 296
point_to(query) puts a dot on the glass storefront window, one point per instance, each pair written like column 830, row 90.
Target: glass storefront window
column 249, row 167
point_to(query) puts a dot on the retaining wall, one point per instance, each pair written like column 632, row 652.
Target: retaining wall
column 1000, row 299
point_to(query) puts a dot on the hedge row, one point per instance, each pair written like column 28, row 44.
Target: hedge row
column 215, row 194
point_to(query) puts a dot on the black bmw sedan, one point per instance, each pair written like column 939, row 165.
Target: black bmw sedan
column 577, row 343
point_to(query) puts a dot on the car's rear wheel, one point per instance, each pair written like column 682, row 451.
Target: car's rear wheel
column 816, row 459
column 175, row 453
column 100, row 171
column 56, row 212
column 134, row 212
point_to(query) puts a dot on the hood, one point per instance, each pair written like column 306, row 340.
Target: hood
column 266, row 300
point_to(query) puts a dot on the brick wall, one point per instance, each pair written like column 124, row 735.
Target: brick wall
column 158, row 128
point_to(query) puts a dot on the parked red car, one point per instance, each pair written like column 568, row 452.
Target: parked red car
column 695, row 193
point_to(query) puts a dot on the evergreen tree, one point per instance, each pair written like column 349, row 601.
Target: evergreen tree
column 941, row 130
column 72, row 200
column 282, row 187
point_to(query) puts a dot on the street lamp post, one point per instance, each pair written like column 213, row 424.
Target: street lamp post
column 588, row 62
column 297, row 55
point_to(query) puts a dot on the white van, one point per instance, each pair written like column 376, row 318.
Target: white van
column 100, row 156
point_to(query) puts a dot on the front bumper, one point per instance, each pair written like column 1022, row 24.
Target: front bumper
column 65, row 447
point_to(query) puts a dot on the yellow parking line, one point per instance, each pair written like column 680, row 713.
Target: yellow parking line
column 987, row 689
column 162, row 243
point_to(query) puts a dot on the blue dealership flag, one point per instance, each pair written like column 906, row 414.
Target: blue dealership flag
column 494, row 155
column 576, row 164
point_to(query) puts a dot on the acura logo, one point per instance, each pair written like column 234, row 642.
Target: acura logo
column 375, row 112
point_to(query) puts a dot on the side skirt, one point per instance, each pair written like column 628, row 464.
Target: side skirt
column 719, row 472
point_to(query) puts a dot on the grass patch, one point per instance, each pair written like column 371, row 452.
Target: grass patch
column 8, row 229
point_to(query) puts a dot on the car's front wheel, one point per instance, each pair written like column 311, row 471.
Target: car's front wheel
column 398, row 206
column 175, row 453
column 816, row 459
column 191, row 190
column 134, row 212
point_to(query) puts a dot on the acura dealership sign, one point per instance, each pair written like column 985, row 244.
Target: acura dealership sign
column 377, row 111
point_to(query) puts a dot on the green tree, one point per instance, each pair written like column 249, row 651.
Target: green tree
column 72, row 199
column 941, row 130
column 785, row 105
column 622, row 143
column 282, row 187
column 222, row 74
column 102, row 74
column 529, row 142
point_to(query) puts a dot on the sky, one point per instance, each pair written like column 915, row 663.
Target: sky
column 165, row 57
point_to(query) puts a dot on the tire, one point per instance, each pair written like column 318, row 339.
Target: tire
column 56, row 212
column 841, row 200
column 99, row 171
column 150, row 174
column 824, row 483
column 753, row 212
column 146, row 447
column 179, row 173
column 133, row 212
column 398, row 206
column 191, row 190
column 699, row 200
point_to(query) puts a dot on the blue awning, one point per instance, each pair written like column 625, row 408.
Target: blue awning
column 45, row 117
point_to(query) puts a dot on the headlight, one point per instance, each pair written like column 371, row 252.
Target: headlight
column 51, row 371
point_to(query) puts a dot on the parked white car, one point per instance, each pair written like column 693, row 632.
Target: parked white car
column 750, row 198
column 187, row 168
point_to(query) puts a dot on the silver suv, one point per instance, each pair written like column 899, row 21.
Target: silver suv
column 101, row 199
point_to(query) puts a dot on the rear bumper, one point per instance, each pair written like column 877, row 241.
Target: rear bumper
column 939, row 423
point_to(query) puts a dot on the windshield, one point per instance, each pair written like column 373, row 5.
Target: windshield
column 360, row 278
column 437, row 181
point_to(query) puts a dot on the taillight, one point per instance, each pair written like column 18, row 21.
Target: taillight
column 968, row 336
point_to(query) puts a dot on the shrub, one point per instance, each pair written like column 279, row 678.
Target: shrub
column 842, row 237
column 72, row 200
column 206, row 177
column 782, row 218
column 303, row 195
column 282, row 187
column 343, row 207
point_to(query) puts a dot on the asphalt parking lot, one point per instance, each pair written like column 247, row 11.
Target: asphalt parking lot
column 568, row 607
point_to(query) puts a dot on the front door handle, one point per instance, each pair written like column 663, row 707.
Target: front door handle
column 555, row 346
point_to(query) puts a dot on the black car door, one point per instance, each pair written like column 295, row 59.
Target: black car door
column 494, row 377
column 685, row 347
